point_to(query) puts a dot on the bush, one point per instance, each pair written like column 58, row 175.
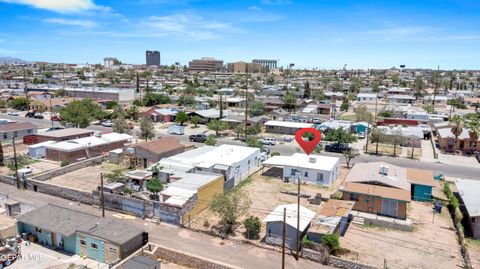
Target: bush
column 454, row 202
column 64, row 163
column 206, row 224
column 331, row 241
column 252, row 226
column 275, row 153
column 307, row 242
column 457, row 215
column 211, row 141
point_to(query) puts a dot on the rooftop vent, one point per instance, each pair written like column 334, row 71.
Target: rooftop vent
column 312, row 160
column 383, row 170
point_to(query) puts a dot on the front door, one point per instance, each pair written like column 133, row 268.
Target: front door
column 389, row 208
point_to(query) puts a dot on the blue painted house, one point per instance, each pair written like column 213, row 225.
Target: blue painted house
column 360, row 127
column 422, row 183
column 101, row 239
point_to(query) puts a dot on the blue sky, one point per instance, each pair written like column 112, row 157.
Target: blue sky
column 316, row 33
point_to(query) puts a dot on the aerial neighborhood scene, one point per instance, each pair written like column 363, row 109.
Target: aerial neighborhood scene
column 239, row 134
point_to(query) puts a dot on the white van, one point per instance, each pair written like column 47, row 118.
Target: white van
column 269, row 141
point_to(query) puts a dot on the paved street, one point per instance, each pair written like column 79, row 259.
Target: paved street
column 244, row 256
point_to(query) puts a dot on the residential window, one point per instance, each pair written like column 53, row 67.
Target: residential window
column 473, row 144
column 112, row 249
column 354, row 197
column 29, row 131
column 305, row 174
column 83, row 242
column 15, row 134
column 38, row 230
column 293, row 172
column 5, row 136
column 94, row 246
column 320, row 177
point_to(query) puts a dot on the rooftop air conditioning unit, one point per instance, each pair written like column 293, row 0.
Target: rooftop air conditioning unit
column 312, row 160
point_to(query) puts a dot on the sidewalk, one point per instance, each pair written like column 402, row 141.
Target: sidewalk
column 427, row 152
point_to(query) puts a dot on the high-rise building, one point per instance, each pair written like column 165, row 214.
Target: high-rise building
column 266, row 63
column 109, row 62
column 152, row 58
column 205, row 65
column 243, row 67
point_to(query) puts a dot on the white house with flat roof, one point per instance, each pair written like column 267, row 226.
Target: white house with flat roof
column 315, row 169
column 285, row 127
column 235, row 163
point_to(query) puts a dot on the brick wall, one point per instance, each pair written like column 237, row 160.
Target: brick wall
column 68, row 168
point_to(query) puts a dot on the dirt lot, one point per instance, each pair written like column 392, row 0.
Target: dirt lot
column 265, row 194
column 429, row 244
column 474, row 252
column 85, row 179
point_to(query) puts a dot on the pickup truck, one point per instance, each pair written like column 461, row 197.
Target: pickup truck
column 201, row 138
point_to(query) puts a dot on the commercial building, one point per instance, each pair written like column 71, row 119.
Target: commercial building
column 321, row 170
column 103, row 94
column 104, row 240
column 109, row 62
column 266, row 63
column 205, row 65
column 152, row 58
column 274, row 225
column 243, row 67
column 235, row 163
column 86, row 147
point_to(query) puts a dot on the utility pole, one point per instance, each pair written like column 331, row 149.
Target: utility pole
column 16, row 163
column 283, row 236
column 437, row 78
column 298, row 217
column 51, row 110
column 102, row 198
column 246, row 107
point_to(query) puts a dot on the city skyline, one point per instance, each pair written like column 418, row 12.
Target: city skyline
column 323, row 34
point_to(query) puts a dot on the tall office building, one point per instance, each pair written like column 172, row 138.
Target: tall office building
column 152, row 58
column 266, row 63
column 205, row 65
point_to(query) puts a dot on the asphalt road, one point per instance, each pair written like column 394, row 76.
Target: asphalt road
column 241, row 255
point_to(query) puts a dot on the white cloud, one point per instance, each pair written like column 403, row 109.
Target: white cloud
column 254, row 8
column 81, row 23
column 188, row 26
column 61, row 6
column 276, row 2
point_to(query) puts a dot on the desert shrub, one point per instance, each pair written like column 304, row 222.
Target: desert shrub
column 64, row 163
column 331, row 241
column 252, row 226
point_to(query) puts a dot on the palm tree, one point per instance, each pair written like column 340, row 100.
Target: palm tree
column 457, row 128
column 474, row 129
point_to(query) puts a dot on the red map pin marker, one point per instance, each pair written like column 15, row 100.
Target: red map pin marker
column 308, row 146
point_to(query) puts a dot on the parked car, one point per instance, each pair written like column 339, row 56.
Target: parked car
column 38, row 116
column 107, row 123
column 30, row 114
column 12, row 113
column 478, row 157
column 269, row 141
column 56, row 118
column 341, row 148
column 361, row 135
column 54, row 128
column 8, row 255
column 176, row 129
column 200, row 138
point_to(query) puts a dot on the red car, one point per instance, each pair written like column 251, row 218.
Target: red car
column 56, row 118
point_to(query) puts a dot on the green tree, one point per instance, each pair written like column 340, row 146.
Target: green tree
column 239, row 129
column 195, row 120
column 256, row 108
column 345, row 105
column 456, row 103
column 137, row 102
column 132, row 112
column 154, row 185
column 418, row 87
column 22, row 160
column 151, row 99
column 473, row 128
column 252, row 227
column 19, row 103
column 181, row 117
column 229, row 207
column 116, row 175
column 120, row 124
column 377, row 136
column 81, row 112
column 458, row 124
column 211, row 141
column 186, row 100
column 147, row 130
column 111, row 104
column 396, row 138
column 289, row 101
column 349, row 156
column 332, row 242
column 217, row 126
column 307, row 93
column 362, row 114
column 340, row 136
column 253, row 143
column 385, row 113
column 255, row 129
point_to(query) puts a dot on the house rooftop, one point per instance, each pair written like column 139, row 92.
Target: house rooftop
column 331, row 215
column 288, row 124
column 88, row 142
column 306, row 216
column 420, row 177
column 468, row 190
column 66, row 222
column 370, row 173
column 17, row 126
column 66, row 132
column 316, row 162
column 376, row 190
column 160, row 146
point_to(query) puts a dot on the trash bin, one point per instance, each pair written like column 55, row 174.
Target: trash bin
column 438, row 207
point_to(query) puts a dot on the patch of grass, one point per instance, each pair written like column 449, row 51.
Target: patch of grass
column 351, row 117
column 242, row 184
column 473, row 242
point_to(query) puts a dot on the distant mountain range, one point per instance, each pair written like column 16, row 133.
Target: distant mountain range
column 12, row 60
